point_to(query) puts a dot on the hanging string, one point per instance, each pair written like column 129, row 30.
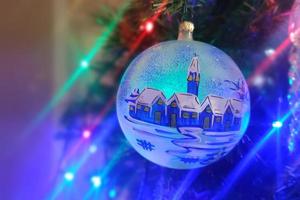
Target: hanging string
column 185, row 8
column 188, row 10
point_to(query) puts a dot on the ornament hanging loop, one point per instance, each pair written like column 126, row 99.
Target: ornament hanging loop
column 186, row 29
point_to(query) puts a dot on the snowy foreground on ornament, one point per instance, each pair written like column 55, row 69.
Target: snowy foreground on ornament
column 183, row 104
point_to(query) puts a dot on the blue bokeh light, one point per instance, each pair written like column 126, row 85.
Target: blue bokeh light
column 69, row 176
column 96, row 181
column 93, row 148
column 277, row 124
column 84, row 64
column 291, row 146
column 112, row 193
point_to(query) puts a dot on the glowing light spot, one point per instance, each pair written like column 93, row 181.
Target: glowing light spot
column 291, row 80
column 86, row 134
column 69, row 176
column 93, row 148
column 84, row 64
column 149, row 26
column 112, row 193
column 291, row 146
column 269, row 52
column 277, row 124
column 258, row 80
column 96, row 181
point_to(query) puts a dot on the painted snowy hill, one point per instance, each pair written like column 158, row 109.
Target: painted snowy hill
column 184, row 147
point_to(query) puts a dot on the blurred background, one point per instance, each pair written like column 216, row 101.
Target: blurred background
column 61, row 62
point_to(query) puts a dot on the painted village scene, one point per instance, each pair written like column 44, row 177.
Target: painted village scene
column 183, row 131
column 184, row 109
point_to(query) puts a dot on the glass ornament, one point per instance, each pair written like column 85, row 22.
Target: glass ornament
column 183, row 104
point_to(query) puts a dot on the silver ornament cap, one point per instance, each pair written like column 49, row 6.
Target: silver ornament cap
column 186, row 29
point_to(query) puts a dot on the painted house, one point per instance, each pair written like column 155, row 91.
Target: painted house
column 150, row 107
column 212, row 113
column 184, row 109
column 237, row 107
column 228, row 117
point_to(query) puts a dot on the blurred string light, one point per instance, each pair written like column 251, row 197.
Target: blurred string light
column 149, row 26
column 68, row 85
column 259, row 80
column 93, row 148
column 69, row 176
column 112, row 193
column 96, row 181
column 86, row 134
column 117, row 155
column 98, row 46
column 84, row 64
column 291, row 145
column 105, row 132
column 111, row 121
column 242, row 166
column 269, row 52
column 186, row 183
column 265, row 64
column 277, row 124
column 54, row 101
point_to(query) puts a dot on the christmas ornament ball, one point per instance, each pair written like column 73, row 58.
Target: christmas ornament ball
column 183, row 104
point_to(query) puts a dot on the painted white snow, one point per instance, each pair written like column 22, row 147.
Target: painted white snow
column 186, row 102
column 217, row 104
column 149, row 96
column 173, row 144
column 194, row 66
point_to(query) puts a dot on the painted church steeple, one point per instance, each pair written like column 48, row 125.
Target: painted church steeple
column 193, row 77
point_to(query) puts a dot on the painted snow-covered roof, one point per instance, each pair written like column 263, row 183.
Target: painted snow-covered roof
column 237, row 107
column 148, row 96
column 186, row 101
column 217, row 104
column 194, row 66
